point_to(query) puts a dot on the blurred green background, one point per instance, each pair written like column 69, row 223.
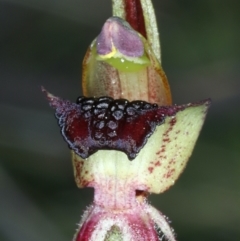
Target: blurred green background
column 42, row 42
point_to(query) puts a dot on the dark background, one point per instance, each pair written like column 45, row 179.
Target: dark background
column 42, row 42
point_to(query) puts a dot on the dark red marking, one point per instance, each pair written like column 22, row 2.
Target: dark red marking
column 166, row 140
column 158, row 164
column 103, row 123
column 173, row 122
column 150, row 169
column 169, row 173
column 134, row 16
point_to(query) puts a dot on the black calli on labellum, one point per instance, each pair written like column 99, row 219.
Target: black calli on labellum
column 103, row 123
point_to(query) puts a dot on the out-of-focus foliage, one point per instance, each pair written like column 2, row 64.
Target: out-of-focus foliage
column 43, row 43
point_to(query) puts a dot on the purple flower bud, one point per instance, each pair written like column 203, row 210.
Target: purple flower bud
column 118, row 35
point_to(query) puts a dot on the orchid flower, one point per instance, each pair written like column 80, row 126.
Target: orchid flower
column 126, row 137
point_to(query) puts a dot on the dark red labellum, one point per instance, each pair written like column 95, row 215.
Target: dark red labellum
column 103, row 123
